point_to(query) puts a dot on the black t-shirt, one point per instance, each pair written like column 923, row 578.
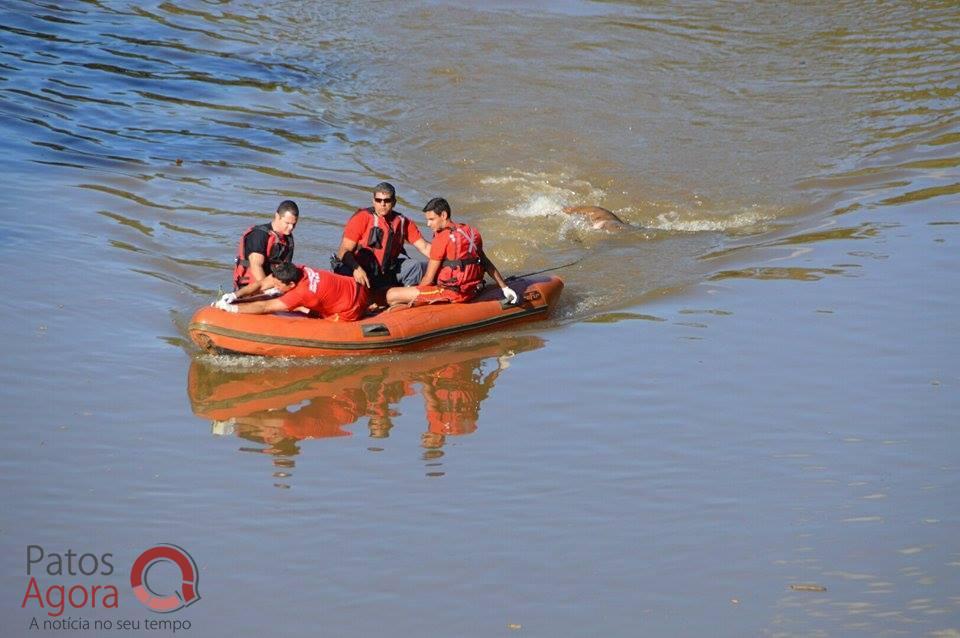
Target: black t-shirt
column 256, row 242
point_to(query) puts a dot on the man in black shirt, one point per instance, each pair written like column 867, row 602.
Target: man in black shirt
column 266, row 244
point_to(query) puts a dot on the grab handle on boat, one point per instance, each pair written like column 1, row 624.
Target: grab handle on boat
column 375, row 330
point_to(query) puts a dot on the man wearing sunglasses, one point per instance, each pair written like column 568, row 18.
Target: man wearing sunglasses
column 372, row 248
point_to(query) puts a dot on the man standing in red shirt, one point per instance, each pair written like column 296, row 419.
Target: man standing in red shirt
column 320, row 293
column 457, row 263
column 371, row 250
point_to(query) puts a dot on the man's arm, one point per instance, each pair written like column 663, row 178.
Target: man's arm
column 423, row 246
column 508, row 293
column 433, row 269
column 345, row 254
column 256, row 287
column 412, row 235
column 491, row 270
column 346, row 246
column 261, row 307
column 256, row 271
column 255, row 248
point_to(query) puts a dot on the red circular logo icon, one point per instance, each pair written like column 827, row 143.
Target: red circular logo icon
column 186, row 595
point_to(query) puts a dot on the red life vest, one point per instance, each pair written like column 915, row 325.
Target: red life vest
column 279, row 250
column 378, row 257
column 464, row 272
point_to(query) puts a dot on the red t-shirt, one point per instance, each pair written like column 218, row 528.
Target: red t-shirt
column 358, row 228
column 328, row 295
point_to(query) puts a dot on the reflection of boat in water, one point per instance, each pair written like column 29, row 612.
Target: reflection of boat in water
column 294, row 335
column 281, row 406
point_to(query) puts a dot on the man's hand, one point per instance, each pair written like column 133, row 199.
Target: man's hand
column 360, row 275
column 226, row 306
column 509, row 295
column 229, row 297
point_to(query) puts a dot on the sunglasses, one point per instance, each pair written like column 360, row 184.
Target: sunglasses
column 385, row 200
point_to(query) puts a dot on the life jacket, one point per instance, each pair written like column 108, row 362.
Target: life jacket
column 464, row 272
column 378, row 258
column 279, row 250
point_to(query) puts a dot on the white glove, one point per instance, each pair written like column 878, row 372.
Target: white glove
column 509, row 295
column 228, row 307
column 229, row 297
column 272, row 292
column 223, row 428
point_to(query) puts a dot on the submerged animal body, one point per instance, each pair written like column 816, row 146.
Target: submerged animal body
column 598, row 218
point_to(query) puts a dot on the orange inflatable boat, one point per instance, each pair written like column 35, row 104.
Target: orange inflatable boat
column 294, row 335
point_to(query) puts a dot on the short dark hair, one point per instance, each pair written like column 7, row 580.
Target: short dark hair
column 288, row 206
column 287, row 272
column 438, row 205
column 385, row 187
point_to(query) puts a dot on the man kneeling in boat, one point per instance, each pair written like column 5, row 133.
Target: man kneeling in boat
column 264, row 246
column 318, row 292
column 456, row 266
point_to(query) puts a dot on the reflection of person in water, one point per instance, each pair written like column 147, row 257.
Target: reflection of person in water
column 302, row 403
column 280, row 429
column 326, row 416
column 453, row 394
column 382, row 394
column 313, row 402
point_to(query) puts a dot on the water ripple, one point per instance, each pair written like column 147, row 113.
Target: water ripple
column 713, row 129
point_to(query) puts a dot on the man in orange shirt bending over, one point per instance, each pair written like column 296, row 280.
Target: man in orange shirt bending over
column 457, row 263
column 321, row 293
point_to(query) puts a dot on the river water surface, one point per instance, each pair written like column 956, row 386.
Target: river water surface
column 741, row 420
